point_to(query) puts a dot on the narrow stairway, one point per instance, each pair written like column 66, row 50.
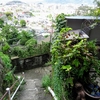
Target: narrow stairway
column 32, row 89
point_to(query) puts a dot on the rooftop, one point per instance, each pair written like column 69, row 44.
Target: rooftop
column 83, row 17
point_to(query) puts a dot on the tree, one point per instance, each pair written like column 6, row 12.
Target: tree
column 16, row 22
column 9, row 15
column 83, row 10
column 97, row 2
column 22, row 23
column 97, row 9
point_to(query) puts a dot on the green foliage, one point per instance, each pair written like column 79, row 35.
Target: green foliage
column 64, row 30
column 6, row 48
column 10, row 18
column 58, row 84
column 46, row 81
column 72, row 61
column 22, row 23
column 96, row 12
column 2, row 41
column 10, row 33
column 46, row 36
column 31, row 46
column 45, row 47
column 18, row 51
column 83, row 10
column 16, row 22
column 22, row 44
column 24, row 36
column 32, row 33
column 9, row 14
column 6, row 61
column 97, row 2
column 9, row 78
column 31, row 43
column 60, row 22
column 48, row 63
column 1, row 23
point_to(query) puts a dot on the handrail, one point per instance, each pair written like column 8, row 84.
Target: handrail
column 7, row 92
column 9, row 89
column 4, row 95
column 13, row 85
column 17, row 89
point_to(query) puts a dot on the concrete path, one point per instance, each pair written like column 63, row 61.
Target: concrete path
column 33, row 89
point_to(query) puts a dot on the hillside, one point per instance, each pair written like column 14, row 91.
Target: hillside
column 14, row 2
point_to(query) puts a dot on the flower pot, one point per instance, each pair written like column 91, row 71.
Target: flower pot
column 92, row 92
column 90, row 97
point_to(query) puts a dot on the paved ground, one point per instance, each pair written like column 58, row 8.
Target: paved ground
column 33, row 89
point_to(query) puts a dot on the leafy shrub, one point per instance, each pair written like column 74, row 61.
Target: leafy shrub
column 1, row 23
column 60, row 22
column 45, row 47
column 20, row 51
column 6, row 48
column 9, row 78
column 24, row 36
column 10, row 33
column 6, row 61
column 22, row 23
column 72, row 61
column 46, row 81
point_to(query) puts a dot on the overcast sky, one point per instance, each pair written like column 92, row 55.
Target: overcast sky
column 29, row 1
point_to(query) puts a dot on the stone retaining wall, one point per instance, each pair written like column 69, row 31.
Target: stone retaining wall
column 30, row 62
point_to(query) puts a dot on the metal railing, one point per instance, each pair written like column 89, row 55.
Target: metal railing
column 8, row 90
